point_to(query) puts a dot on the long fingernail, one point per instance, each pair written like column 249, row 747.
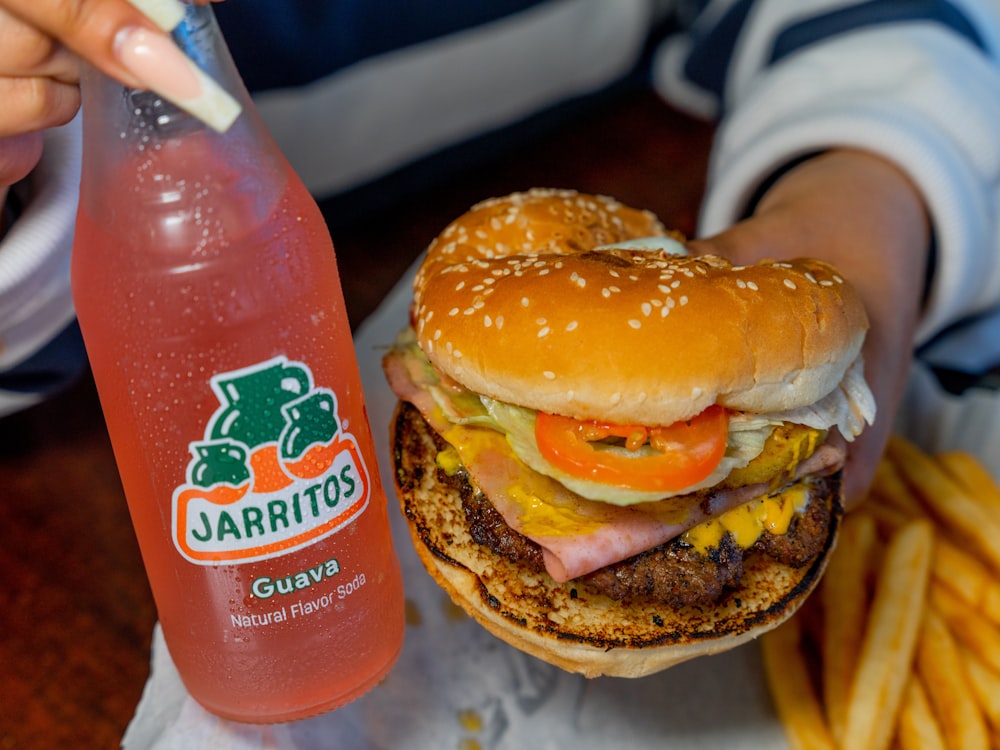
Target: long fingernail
column 161, row 67
column 164, row 13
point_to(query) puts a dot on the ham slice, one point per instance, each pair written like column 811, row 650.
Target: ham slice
column 577, row 536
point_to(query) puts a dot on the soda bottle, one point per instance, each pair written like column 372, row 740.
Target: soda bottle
column 207, row 291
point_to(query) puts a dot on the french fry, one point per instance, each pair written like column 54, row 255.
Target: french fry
column 889, row 487
column 968, row 625
column 890, row 638
column 795, row 699
column 918, row 728
column 971, row 474
column 985, row 685
column 966, row 577
column 845, row 609
column 947, row 501
column 887, row 519
column 943, row 675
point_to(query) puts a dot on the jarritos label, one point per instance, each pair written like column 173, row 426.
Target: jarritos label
column 274, row 473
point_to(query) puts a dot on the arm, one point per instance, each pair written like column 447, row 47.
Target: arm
column 876, row 88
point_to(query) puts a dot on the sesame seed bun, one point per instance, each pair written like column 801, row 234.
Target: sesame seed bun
column 520, row 299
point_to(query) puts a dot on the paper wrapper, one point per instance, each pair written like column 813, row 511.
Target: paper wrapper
column 456, row 686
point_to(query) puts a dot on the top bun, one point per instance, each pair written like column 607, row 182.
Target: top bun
column 520, row 299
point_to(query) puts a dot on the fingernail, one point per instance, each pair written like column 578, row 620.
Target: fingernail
column 164, row 13
column 161, row 67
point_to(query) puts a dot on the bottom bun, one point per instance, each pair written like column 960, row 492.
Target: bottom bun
column 563, row 623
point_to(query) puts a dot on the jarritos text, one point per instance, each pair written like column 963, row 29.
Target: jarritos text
column 275, row 471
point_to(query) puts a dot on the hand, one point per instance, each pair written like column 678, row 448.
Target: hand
column 42, row 46
column 860, row 213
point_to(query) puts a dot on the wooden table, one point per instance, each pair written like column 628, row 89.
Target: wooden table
column 75, row 609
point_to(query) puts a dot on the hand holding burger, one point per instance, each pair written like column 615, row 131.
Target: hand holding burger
column 615, row 456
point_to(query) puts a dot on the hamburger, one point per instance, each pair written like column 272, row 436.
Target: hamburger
column 612, row 454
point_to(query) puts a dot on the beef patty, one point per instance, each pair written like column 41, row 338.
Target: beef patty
column 673, row 573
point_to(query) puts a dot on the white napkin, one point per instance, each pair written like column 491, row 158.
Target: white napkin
column 455, row 683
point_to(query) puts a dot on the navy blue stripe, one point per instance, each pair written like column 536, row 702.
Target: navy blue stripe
column 872, row 13
column 707, row 65
column 286, row 44
column 51, row 368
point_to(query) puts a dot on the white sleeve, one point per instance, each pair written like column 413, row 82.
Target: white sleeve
column 389, row 110
column 918, row 83
column 35, row 300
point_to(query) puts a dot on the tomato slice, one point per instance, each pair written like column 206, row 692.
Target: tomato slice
column 685, row 452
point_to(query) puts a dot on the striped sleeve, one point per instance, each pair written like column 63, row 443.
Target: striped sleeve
column 916, row 81
column 40, row 346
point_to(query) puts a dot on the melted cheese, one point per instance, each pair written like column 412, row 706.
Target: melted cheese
column 747, row 522
column 538, row 512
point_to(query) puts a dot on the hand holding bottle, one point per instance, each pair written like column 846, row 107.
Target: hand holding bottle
column 208, row 295
column 42, row 46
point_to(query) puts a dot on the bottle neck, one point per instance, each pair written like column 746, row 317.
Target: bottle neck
column 139, row 142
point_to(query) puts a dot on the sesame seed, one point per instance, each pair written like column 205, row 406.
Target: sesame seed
column 753, row 285
column 605, row 292
column 683, row 299
column 810, row 277
column 453, row 312
column 741, row 283
column 572, row 325
column 549, row 375
column 838, row 279
column 499, row 322
column 487, row 321
column 525, row 302
column 790, row 284
column 437, row 334
column 635, row 323
column 543, row 332
column 460, row 285
column 826, row 282
column 647, row 309
column 540, row 321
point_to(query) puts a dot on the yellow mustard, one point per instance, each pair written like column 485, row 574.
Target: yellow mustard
column 539, row 512
column 747, row 522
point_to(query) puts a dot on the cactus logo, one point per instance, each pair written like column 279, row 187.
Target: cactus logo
column 275, row 471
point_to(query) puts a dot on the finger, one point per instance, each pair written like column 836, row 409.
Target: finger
column 35, row 104
column 90, row 28
column 29, row 52
column 18, row 156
